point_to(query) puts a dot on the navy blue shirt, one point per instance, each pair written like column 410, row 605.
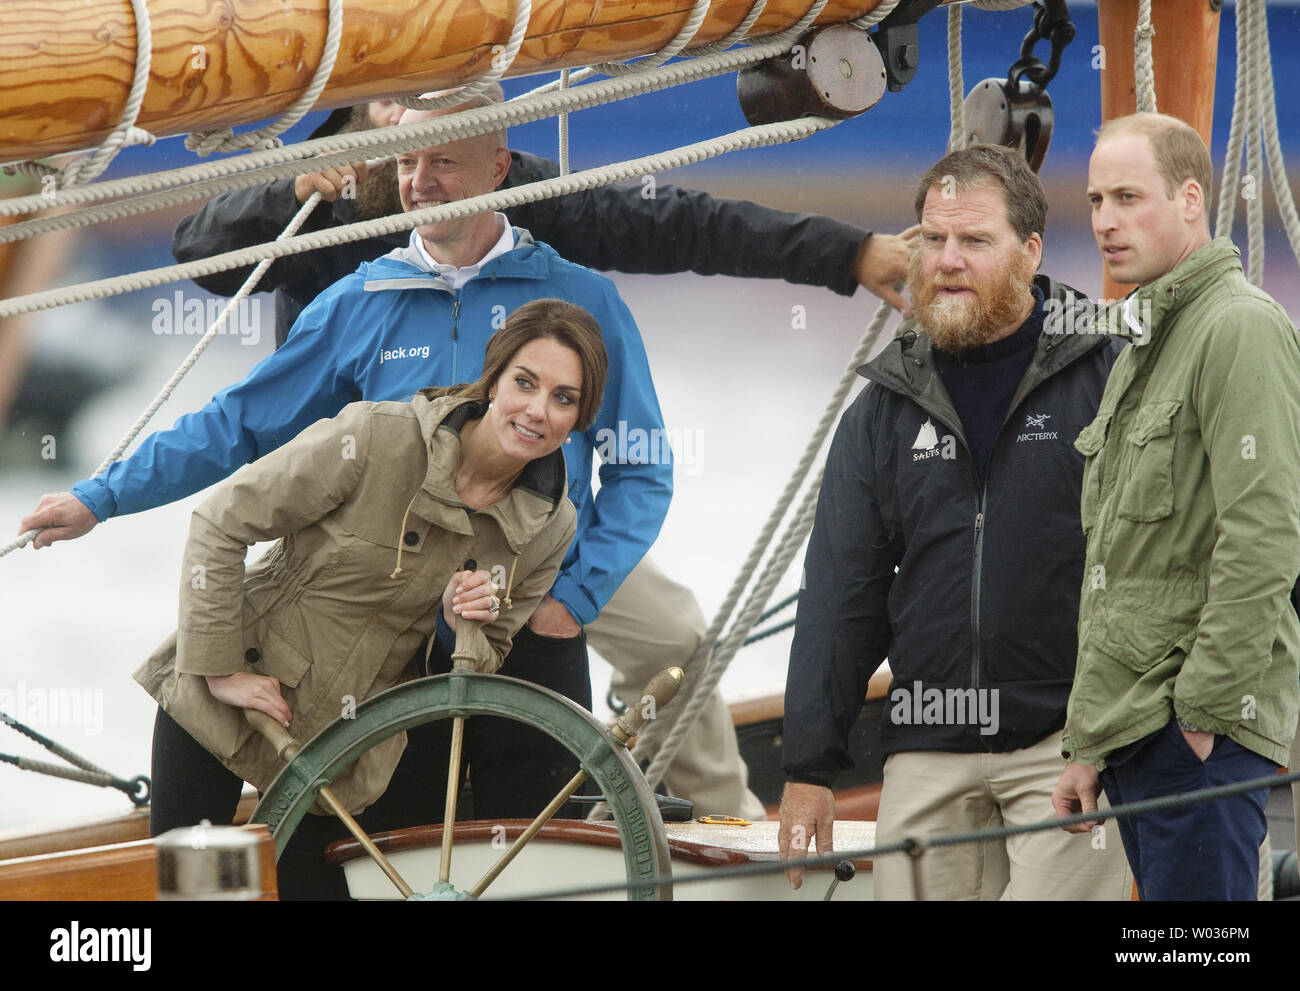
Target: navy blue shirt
column 982, row 381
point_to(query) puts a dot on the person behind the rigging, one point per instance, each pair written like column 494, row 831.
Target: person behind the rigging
column 376, row 510
column 947, row 538
column 1189, row 650
column 423, row 315
column 634, row 229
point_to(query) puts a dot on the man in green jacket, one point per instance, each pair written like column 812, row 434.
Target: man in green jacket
column 1189, row 650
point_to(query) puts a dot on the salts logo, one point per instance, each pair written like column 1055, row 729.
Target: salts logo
column 929, row 445
column 178, row 315
column 1034, row 424
column 927, row 442
column 77, row 945
column 396, row 354
column 945, row 707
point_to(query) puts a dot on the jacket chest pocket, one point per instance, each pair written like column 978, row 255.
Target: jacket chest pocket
column 1089, row 443
column 1148, row 494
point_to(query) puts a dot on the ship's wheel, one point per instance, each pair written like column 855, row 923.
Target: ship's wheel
column 467, row 694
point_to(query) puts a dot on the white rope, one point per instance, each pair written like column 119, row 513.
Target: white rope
column 563, row 119
column 1236, row 137
column 165, row 393
column 956, row 87
column 750, row 137
column 1263, row 63
column 257, row 168
column 669, row 51
column 1143, row 68
column 1254, row 119
column 717, row 660
column 738, row 33
column 207, row 142
column 879, row 14
column 501, row 64
column 792, row 33
column 762, row 47
column 85, row 169
column 1254, row 153
column 244, row 292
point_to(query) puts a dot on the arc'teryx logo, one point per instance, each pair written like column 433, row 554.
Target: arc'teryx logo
column 1035, row 422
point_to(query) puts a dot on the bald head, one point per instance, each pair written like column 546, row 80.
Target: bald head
column 492, row 140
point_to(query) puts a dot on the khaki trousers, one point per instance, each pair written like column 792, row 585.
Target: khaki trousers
column 653, row 623
column 1295, row 785
column 928, row 794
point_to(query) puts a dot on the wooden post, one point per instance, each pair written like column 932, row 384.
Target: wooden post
column 1184, row 50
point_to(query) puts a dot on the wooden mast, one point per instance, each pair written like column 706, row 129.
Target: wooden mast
column 1184, row 50
column 66, row 69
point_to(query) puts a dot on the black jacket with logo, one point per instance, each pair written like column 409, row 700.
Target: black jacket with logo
column 962, row 585
column 636, row 229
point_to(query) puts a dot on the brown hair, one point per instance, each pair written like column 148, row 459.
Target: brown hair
column 1178, row 150
column 982, row 165
column 557, row 320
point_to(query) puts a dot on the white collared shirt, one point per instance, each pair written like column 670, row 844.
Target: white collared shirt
column 457, row 277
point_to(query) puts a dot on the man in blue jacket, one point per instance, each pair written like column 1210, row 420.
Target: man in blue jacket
column 947, row 537
column 421, row 316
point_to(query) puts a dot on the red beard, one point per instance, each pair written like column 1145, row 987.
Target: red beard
column 970, row 321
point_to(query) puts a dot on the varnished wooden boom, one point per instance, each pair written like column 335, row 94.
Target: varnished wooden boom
column 66, row 69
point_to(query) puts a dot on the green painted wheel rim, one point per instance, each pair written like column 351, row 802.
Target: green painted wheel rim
column 468, row 693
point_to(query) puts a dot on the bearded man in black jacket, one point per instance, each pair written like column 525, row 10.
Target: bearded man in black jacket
column 947, row 538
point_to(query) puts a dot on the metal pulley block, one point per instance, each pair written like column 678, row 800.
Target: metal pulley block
column 834, row 71
column 1019, row 117
column 1016, row 112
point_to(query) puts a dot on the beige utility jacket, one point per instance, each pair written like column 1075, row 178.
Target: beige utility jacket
column 370, row 530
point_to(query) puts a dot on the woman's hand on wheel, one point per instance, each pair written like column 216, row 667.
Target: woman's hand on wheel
column 251, row 691
column 471, row 594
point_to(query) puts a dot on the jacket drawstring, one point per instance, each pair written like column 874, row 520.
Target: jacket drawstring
column 510, row 582
column 400, row 542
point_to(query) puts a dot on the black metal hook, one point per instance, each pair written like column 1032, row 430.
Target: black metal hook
column 1052, row 24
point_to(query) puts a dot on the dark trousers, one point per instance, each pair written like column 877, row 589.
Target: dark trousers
column 513, row 771
column 1207, row 851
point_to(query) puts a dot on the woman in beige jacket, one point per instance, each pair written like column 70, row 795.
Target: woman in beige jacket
column 375, row 510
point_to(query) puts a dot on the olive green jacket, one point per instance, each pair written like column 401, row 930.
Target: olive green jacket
column 370, row 532
column 1191, row 504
